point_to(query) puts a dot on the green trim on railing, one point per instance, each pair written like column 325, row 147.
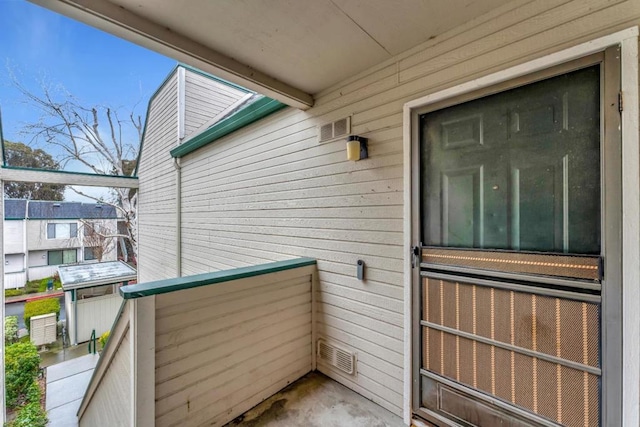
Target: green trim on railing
column 21, row 168
column 252, row 113
column 188, row 282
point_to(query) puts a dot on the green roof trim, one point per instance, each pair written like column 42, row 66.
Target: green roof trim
column 214, row 78
column 189, row 282
column 252, row 113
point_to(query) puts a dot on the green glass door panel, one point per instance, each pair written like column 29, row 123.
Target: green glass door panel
column 519, row 170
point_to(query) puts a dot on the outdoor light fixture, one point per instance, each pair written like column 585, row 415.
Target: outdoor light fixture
column 357, row 148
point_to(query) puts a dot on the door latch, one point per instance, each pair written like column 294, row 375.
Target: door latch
column 416, row 252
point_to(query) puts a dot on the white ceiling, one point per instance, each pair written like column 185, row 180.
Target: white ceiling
column 308, row 45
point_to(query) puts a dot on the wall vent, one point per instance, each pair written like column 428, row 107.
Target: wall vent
column 336, row 357
column 338, row 129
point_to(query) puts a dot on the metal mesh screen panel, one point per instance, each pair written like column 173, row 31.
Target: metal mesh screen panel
column 562, row 328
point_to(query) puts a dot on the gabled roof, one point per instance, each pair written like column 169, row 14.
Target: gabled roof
column 40, row 209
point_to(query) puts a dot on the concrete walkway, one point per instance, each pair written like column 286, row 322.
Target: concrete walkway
column 66, row 384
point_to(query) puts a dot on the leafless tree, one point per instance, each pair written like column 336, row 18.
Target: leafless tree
column 100, row 138
column 99, row 238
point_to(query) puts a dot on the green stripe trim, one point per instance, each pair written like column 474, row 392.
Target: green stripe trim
column 252, row 113
column 171, row 285
column 212, row 77
column 21, row 168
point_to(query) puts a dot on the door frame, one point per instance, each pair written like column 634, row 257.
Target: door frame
column 630, row 221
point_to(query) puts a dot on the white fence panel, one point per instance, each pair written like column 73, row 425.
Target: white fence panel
column 15, row 280
column 97, row 313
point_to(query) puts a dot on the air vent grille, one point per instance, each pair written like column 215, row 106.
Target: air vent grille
column 338, row 129
column 336, row 357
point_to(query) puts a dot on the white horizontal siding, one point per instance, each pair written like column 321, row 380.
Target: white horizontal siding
column 157, row 194
column 270, row 191
column 222, row 349
column 111, row 403
column 15, row 280
column 13, row 237
column 205, row 98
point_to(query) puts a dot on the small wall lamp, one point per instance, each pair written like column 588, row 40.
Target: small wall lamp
column 357, row 148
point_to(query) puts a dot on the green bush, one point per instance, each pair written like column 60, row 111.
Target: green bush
column 32, row 287
column 30, row 415
column 103, row 339
column 43, row 306
column 21, row 362
column 13, row 292
column 10, row 329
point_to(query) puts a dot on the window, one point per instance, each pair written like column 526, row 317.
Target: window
column 66, row 256
column 62, row 230
column 518, row 170
column 89, row 254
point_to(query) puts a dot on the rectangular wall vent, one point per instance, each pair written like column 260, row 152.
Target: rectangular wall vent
column 336, row 357
column 334, row 130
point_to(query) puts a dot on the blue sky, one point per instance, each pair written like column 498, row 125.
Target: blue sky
column 96, row 67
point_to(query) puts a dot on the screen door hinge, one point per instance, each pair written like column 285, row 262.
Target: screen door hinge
column 620, row 102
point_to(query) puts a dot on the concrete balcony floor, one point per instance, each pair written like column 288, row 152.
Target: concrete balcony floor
column 317, row 401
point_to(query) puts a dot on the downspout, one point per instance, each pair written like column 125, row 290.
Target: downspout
column 176, row 163
column 181, row 100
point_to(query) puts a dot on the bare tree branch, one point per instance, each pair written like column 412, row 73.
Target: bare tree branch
column 92, row 136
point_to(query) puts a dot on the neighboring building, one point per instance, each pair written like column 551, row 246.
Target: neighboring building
column 40, row 235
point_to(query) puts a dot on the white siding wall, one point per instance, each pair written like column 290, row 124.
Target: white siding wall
column 271, row 191
column 37, row 258
column 222, row 349
column 37, row 236
column 13, row 237
column 205, row 99
column 36, row 273
column 97, row 313
column 157, row 199
column 13, row 263
column 14, row 273
column 15, row 280
column 110, row 406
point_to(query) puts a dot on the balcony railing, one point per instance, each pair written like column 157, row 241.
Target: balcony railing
column 203, row 349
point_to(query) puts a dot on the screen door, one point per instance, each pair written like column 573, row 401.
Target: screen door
column 517, row 215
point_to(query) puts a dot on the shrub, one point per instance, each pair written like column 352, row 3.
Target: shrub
column 10, row 329
column 31, row 415
column 103, row 339
column 32, row 287
column 13, row 292
column 21, row 363
column 43, row 306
